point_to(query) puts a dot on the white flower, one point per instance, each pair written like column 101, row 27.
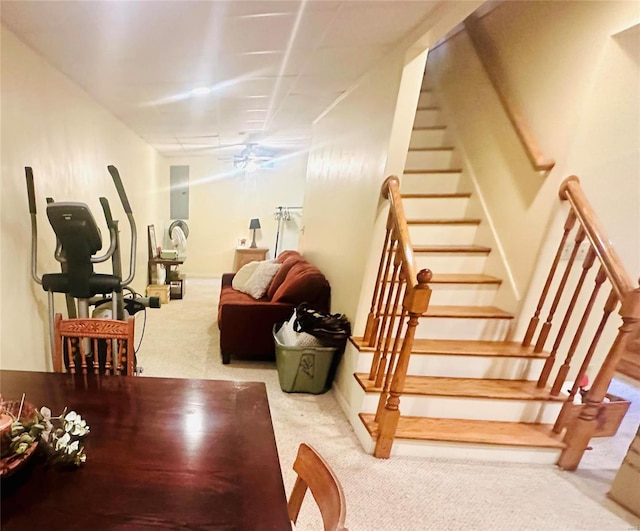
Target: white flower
column 73, row 447
column 71, row 416
column 63, row 441
column 80, row 428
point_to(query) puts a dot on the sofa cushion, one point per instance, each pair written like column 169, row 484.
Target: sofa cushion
column 259, row 281
column 244, row 274
column 304, row 282
column 282, row 273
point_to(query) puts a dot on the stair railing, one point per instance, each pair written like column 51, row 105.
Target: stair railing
column 610, row 271
column 400, row 293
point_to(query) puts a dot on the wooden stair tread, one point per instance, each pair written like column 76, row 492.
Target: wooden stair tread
column 431, row 170
column 451, row 221
column 461, row 195
column 471, row 431
column 460, row 278
column 430, row 128
column 467, row 312
column 464, row 312
column 451, row 249
column 468, row 388
column 434, row 148
column 453, row 347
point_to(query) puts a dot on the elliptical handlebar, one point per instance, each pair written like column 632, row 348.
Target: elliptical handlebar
column 117, row 181
column 31, row 193
column 113, row 227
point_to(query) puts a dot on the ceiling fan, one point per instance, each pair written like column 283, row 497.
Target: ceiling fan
column 253, row 157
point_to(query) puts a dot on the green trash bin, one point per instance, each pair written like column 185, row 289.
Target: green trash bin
column 302, row 369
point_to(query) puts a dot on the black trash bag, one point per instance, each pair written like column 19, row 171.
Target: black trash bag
column 332, row 330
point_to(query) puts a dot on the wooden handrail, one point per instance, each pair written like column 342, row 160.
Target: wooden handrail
column 571, row 191
column 391, row 190
column 489, row 59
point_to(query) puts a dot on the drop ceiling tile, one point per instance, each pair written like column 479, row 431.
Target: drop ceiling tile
column 366, row 23
column 343, row 63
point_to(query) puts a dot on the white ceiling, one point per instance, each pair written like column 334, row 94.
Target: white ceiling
column 271, row 66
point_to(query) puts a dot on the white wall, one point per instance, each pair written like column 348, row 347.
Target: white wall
column 52, row 125
column 222, row 201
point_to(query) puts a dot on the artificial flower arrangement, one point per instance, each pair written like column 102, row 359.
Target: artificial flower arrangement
column 60, row 437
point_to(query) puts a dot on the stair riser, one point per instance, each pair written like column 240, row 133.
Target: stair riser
column 475, row 452
column 422, row 138
column 427, row 99
column 442, row 234
column 451, row 262
column 427, row 118
column 431, row 183
column 429, row 160
column 465, row 366
column 530, row 411
column 453, row 328
column 463, row 294
column 435, row 207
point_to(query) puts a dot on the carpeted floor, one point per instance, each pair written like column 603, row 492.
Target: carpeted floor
column 402, row 493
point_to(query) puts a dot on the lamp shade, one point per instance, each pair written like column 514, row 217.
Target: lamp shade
column 254, row 223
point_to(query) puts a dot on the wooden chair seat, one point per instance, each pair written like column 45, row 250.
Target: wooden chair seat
column 314, row 473
column 87, row 339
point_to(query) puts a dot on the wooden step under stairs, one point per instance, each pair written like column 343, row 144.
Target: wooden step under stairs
column 468, row 393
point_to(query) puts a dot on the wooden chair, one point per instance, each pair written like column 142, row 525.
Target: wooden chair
column 315, row 473
column 83, row 333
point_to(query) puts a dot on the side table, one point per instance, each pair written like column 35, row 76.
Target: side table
column 245, row 255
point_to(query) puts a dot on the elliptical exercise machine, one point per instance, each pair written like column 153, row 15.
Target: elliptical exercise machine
column 78, row 239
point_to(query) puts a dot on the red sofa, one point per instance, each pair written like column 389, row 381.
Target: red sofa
column 246, row 323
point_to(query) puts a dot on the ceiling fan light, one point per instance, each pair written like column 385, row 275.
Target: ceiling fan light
column 251, row 166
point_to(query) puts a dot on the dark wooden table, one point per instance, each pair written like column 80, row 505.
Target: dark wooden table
column 163, row 453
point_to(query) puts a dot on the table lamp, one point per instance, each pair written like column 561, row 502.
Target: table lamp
column 254, row 224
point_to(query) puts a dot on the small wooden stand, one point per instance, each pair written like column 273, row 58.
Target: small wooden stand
column 247, row 254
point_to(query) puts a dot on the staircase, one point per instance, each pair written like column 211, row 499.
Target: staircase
column 448, row 384
column 464, row 396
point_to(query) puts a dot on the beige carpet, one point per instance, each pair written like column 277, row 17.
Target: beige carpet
column 181, row 340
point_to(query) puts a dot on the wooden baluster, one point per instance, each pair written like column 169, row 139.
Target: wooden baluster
column 71, row 356
column 83, row 354
column 533, row 324
column 610, row 305
column 579, row 433
column 380, row 353
column 416, row 302
column 393, row 358
column 586, row 266
column 371, row 327
column 546, row 327
column 564, row 368
column 384, row 297
column 390, row 317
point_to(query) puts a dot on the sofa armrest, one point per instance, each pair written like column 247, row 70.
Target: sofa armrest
column 227, row 278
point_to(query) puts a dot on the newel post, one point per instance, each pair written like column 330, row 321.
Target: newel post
column 416, row 302
column 580, row 432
